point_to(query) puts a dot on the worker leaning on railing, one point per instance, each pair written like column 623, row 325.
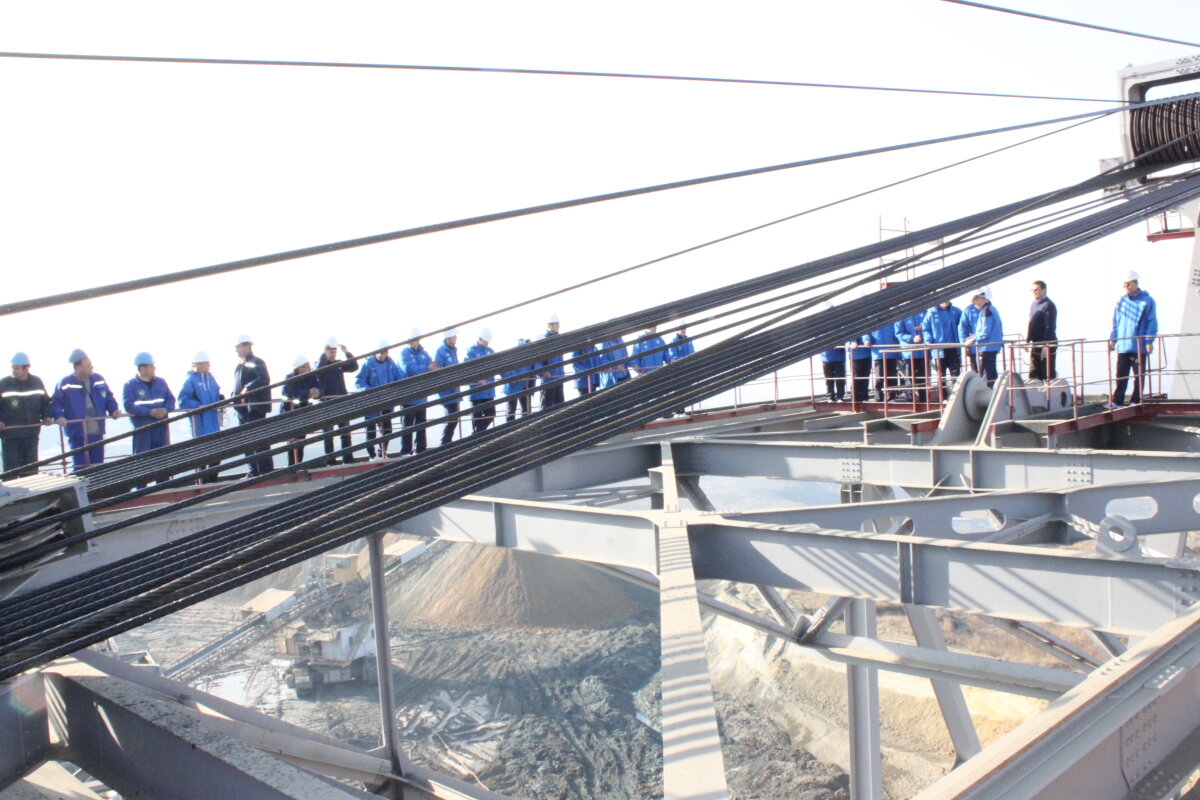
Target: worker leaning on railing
column 147, row 399
column 988, row 336
column 80, row 402
column 1135, row 324
column 24, row 409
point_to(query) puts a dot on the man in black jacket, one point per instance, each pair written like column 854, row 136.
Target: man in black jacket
column 250, row 380
column 1042, row 333
column 24, row 405
column 333, row 385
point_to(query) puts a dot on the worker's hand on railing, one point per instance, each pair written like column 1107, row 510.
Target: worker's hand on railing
column 117, row 414
column 157, row 413
column 1112, row 345
column 61, row 421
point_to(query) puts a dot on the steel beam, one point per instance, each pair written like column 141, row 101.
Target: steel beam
column 862, row 685
column 1129, row 730
column 1035, row 584
column 24, row 730
column 383, row 665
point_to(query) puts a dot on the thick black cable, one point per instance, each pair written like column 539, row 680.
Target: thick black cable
column 1076, row 23
column 920, row 286
column 570, row 73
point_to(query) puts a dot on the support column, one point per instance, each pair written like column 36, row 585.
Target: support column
column 383, row 665
column 866, row 765
column 949, row 693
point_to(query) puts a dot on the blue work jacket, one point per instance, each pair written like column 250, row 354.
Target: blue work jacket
column 884, row 343
column 863, row 350
column 68, row 401
column 552, row 368
column 966, row 324
column 416, row 362
column 141, row 399
column 447, row 356
column 989, row 330
column 646, row 361
column 1133, row 319
column 617, row 361
column 907, row 331
column 518, row 379
column 834, row 355
column 297, row 390
column 941, row 324
column 479, row 351
column 201, row 389
column 376, row 373
column 681, row 346
column 586, row 359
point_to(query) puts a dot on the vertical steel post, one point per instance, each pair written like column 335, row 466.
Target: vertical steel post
column 866, row 766
column 383, row 662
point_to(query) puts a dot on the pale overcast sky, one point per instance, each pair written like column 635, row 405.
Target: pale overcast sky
column 115, row 170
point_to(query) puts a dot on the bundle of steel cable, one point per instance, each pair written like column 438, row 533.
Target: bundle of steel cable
column 187, row 455
column 127, row 594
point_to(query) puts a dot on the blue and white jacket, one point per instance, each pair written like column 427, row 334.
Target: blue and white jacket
column 68, row 401
column 377, row 373
column 416, row 362
column 989, row 330
column 479, row 351
column 447, row 356
column 141, row 399
column 201, row 389
column 1133, row 319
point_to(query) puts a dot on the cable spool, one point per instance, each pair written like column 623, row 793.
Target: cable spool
column 1172, row 126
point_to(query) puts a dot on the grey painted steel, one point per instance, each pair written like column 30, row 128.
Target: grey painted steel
column 949, row 694
column 24, row 730
column 144, row 746
column 1035, row 584
column 866, row 759
column 383, row 663
column 1047, row 642
column 1130, row 730
column 930, row 467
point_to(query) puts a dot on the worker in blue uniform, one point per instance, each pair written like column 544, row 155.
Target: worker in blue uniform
column 148, row 399
column 447, row 356
column 966, row 329
column 332, row 382
column 378, row 370
column 516, row 381
column 649, row 352
column 614, row 354
column 80, row 402
column 200, row 389
column 886, row 354
column 24, row 409
column 252, row 398
column 860, row 357
column 301, row 388
column 988, row 337
column 1135, row 324
column 941, row 325
column 910, row 332
column 482, row 414
column 681, row 345
column 415, row 360
column 585, row 358
column 551, row 370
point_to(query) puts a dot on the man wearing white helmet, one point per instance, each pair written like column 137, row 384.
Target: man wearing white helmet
column 416, row 361
column 332, row 382
column 24, row 405
column 447, row 356
column 1135, row 324
column 378, row 370
column 252, row 398
column 200, row 389
column 301, row 387
column 482, row 417
column 551, row 370
column 988, row 336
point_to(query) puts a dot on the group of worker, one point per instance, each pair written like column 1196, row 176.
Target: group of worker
column 904, row 356
column 82, row 401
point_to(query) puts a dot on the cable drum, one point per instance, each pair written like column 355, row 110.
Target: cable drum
column 1172, row 126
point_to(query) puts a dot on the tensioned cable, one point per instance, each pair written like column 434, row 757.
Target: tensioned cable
column 570, row 73
column 305, row 252
column 1076, row 23
column 339, row 523
column 630, row 269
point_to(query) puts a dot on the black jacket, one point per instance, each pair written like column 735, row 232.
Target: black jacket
column 1043, row 321
column 23, row 403
column 333, row 381
column 252, row 376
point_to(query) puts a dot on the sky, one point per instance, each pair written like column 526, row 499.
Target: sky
column 117, row 170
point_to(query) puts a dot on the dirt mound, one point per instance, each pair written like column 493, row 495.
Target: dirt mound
column 476, row 587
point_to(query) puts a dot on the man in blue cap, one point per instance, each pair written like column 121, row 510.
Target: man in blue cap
column 80, row 402
column 148, row 399
column 24, row 406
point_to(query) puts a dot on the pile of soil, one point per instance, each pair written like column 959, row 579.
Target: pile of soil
column 473, row 588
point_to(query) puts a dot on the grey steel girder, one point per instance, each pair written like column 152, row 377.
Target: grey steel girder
column 24, row 729
column 1129, row 730
column 929, row 467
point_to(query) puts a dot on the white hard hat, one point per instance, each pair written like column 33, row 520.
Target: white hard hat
column 331, row 342
column 383, row 344
column 553, row 318
column 485, row 334
column 300, row 361
column 828, row 304
column 985, row 292
column 200, row 357
column 449, row 333
column 1130, row 276
column 415, row 333
column 244, row 339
